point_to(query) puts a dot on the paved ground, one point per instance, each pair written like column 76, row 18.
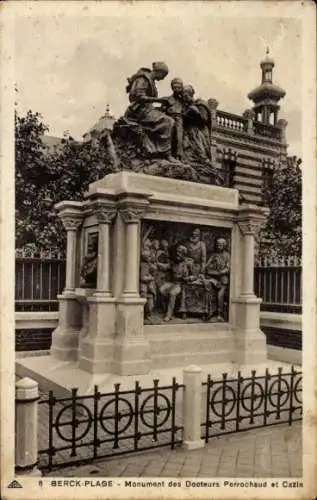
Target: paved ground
column 268, row 452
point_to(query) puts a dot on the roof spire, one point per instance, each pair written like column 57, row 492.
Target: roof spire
column 267, row 95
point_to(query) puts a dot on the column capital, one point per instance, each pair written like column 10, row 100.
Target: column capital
column 131, row 214
column 251, row 227
column 71, row 222
column 105, row 214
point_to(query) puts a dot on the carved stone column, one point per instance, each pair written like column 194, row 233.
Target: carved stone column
column 248, row 228
column 96, row 350
column 71, row 224
column 250, row 341
column 132, row 351
column 105, row 216
column 131, row 217
column 65, row 338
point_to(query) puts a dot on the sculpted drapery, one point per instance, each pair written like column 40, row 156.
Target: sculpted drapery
column 155, row 126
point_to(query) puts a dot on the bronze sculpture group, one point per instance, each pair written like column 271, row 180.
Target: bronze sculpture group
column 169, row 136
column 182, row 279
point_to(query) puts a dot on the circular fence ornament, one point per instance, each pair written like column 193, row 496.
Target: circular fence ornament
column 252, row 397
column 158, row 413
column 121, row 419
column 79, row 427
column 221, row 398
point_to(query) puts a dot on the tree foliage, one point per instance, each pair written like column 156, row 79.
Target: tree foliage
column 45, row 177
column 282, row 235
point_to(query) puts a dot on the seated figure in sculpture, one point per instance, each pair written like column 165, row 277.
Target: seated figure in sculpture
column 217, row 276
column 196, row 251
column 174, row 106
column 181, row 273
column 149, row 125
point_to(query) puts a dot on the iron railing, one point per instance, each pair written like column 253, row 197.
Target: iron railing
column 242, row 403
column 81, row 428
column 39, row 278
column 278, row 283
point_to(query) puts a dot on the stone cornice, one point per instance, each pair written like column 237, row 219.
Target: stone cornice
column 246, row 141
column 75, row 206
column 239, row 134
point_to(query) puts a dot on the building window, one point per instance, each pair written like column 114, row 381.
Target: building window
column 228, row 169
column 267, row 182
column 268, row 76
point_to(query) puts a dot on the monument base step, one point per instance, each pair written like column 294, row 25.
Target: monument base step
column 61, row 377
column 174, row 345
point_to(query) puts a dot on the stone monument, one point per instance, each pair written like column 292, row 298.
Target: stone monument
column 160, row 256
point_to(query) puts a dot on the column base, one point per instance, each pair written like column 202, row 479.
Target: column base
column 249, row 347
column 249, row 340
column 96, row 356
column 193, row 445
column 247, row 309
column 96, row 347
column 130, row 316
column 131, row 356
column 131, row 348
column 65, row 337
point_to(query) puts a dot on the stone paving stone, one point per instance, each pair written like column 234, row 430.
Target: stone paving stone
column 177, row 459
column 153, row 471
column 190, row 471
column 244, row 471
column 271, row 452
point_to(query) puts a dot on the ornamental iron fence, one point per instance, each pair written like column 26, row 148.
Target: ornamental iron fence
column 279, row 284
column 74, row 430
column 39, row 279
column 81, row 428
column 243, row 403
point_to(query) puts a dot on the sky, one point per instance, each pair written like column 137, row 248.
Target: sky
column 69, row 68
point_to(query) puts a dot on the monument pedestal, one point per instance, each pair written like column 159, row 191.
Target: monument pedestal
column 96, row 347
column 101, row 331
column 249, row 340
column 65, row 338
column 131, row 347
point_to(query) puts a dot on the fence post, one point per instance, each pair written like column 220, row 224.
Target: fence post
column 26, row 419
column 192, row 408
